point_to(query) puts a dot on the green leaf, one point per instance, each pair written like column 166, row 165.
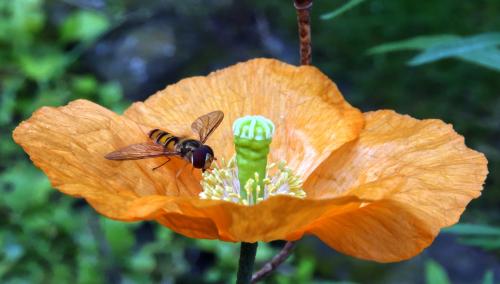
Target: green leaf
column 61, row 274
column 12, row 251
column 435, row 273
column 46, row 97
column 475, row 49
column 344, row 8
column 84, row 85
column 473, row 229
column 22, row 18
column 455, row 48
column 119, row 236
column 488, row 57
column 305, row 270
column 24, row 187
column 89, row 269
column 416, row 43
column 144, row 261
column 488, row 277
column 42, row 67
column 264, row 253
column 84, row 26
column 482, row 242
column 8, row 98
column 110, row 94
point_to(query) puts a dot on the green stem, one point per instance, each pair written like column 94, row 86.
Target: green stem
column 247, row 259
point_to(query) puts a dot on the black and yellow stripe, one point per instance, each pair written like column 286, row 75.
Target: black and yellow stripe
column 164, row 138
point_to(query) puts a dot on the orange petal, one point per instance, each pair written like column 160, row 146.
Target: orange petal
column 311, row 117
column 277, row 218
column 417, row 175
column 385, row 231
column 69, row 144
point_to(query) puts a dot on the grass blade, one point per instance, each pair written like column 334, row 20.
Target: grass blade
column 416, row 43
column 344, row 8
column 489, row 277
column 473, row 230
column 435, row 273
column 457, row 47
column 489, row 58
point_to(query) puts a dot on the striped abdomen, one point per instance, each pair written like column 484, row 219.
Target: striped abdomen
column 164, row 138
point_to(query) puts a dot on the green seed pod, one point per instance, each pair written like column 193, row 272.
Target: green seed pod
column 252, row 137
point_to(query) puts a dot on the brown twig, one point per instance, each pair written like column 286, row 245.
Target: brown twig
column 276, row 261
column 303, row 8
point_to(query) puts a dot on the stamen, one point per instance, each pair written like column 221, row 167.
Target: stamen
column 247, row 178
column 222, row 183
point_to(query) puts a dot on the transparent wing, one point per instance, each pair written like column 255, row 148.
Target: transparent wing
column 206, row 124
column 140, row 151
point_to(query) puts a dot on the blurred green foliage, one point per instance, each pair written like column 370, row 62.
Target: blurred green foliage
column 342, row 9
column 46, row 237
column 483, row 236
column 435, row 273
column 479, row 49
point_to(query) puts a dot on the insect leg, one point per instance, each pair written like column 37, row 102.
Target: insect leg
column 162, row 164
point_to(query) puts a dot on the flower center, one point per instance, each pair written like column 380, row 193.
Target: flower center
column 222, row 183
column 246, row 178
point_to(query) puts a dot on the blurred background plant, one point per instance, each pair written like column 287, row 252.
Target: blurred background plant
column 115, row 52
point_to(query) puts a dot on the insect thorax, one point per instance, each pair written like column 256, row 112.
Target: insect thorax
column 187, row 146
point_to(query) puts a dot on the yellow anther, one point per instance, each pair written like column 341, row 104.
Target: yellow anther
column 222, row 184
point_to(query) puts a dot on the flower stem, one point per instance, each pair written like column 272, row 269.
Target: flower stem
column 247, row 259
column 303, row 8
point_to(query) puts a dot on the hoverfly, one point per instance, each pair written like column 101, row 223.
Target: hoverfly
column 165, row 144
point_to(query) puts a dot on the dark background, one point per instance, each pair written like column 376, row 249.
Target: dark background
column 116, row 52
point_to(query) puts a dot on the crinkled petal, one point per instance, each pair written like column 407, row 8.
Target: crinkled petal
column 277, row 218
column 311, row 117
column 384, row 231
column 417, row 176
column 69, row 144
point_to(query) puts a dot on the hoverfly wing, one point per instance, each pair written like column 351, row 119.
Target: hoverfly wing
column 140, row 151
column 206, row 124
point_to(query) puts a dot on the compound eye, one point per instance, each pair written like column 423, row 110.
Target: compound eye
column 198, row 159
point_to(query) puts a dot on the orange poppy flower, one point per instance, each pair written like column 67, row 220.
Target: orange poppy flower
column 378, row 185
